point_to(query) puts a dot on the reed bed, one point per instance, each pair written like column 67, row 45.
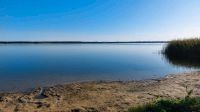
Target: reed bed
column 184, row 48
column 184, row 52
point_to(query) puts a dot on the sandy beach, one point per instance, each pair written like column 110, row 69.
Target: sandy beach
column 100, row 96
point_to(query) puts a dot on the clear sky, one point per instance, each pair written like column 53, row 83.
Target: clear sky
column 99, row 20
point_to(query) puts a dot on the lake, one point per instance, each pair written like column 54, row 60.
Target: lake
column 26, row 66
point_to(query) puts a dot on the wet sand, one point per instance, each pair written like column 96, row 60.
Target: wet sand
column 100, row 96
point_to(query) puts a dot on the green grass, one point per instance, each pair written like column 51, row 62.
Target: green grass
column 170, row 105
column 184, row 52
column 187, row 104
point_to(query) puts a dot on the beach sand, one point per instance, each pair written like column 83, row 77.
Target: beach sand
column 100, row 96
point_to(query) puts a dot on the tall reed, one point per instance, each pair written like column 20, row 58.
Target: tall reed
column 186, row 48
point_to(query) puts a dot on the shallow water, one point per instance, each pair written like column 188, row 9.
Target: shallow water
column 27, row 66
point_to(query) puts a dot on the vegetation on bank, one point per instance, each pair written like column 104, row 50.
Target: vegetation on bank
column 170, row 105
column 186, row 48
column 184, row 52
column 187, row 104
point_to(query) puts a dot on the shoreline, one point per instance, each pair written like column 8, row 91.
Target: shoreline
column 100, row 96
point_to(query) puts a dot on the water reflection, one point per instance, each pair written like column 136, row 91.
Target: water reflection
column 190, row 62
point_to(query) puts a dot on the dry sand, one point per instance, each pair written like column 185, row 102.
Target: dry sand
column 100, row 96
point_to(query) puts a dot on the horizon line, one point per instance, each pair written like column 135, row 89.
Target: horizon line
column 75, row 42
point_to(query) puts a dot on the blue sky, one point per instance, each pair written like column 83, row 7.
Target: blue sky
column 99, row 20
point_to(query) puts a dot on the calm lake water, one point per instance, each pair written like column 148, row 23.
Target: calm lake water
column 27, row 66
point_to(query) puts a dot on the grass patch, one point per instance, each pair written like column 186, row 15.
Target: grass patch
column 187, row 104
column 170, row 105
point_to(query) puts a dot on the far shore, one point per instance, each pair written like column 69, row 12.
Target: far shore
column 100, row 96
column 77, row 42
